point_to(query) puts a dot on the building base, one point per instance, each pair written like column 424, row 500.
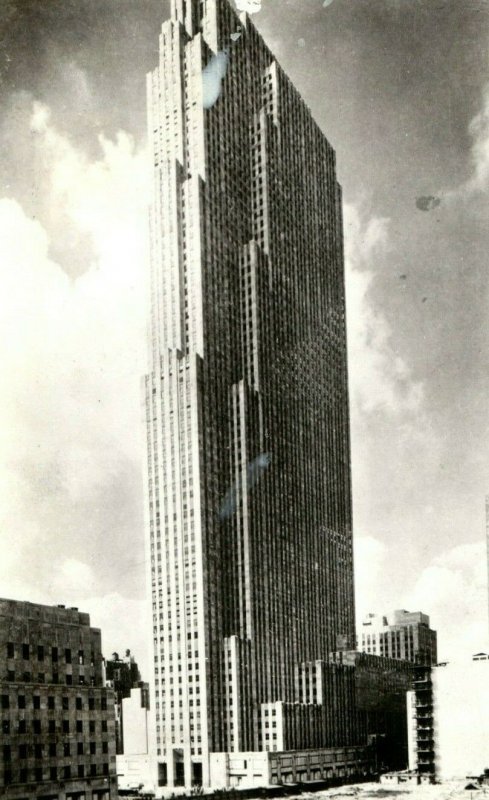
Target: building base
column 264, row 768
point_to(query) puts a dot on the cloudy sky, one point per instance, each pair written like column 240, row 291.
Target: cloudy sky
column 401, row 88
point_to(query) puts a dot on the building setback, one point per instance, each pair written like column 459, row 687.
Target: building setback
column 57, row 717
column 248, row 490
column 405, row 635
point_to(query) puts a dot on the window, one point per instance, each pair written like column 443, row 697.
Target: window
column 93, row 748
column 23, row 775
column 5, row 726
column 41, row 677
column 67, row 772
column 10, row 675
column 93, row 769
column 7, row 755
column 54, row 654
column 65, row 703
column 55, row 677
column 25, row 652
column 5, row 701
column 66, row 749
column 51, row 703
column 68, row 655
column 79, row 704
column 91, row 726
column 10, row 650
column 38, row 750
column 105, row 769
column 22, row 751
column 103, row 704
column 36, row 725
column 81, row 771
column 66, row 726
column 53, row 774
column 52, row 749
column 105, row 747
column 69, row 680
column 91, row 704
column 37, row 702
column 79, row 726
column 104, row 726
column 22, row 726
column 51, row 726
column 40, row 652
column 79, row 748
column 21, row 701
column 81, row 657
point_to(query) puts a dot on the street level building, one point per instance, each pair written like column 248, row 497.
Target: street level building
column 248, row 490
column 57, row 717
column 404, row 635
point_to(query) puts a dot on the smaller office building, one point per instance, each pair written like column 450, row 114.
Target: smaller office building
column 404, row 635
column 57, row 739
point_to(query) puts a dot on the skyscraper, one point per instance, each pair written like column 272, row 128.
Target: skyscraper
column 249, row 528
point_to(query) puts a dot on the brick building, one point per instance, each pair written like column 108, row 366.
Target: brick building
column 404, row 635
column 57, row 716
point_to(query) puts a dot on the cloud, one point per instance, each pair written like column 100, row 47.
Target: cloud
column 479, row 130
column 478, row 182
column 380, row 379
column 370, row 559
column 453, row 591
column 72, row 351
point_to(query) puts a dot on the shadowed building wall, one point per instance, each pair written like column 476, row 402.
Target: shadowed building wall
column 57, row 737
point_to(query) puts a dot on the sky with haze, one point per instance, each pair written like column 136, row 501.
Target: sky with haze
column 401, row 89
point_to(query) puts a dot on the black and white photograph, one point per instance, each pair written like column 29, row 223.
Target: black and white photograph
column 244, row 415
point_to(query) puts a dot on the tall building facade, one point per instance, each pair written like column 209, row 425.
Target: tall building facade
column 248, row 490
column 405, row 635
column 57, row 717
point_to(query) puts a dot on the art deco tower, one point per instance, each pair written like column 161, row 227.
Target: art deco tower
column 249, row 527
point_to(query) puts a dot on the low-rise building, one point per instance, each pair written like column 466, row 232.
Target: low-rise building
column 404, row 635
column 57, row 723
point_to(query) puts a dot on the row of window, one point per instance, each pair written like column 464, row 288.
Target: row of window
column 40, row 774
column 37, row 727
column 92, row 705
column 27, row 651
column 41, row 677
column 53, row 749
